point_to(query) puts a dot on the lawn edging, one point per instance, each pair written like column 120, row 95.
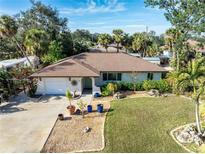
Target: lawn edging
column 174, row 138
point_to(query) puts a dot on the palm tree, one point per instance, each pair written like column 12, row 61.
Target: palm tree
column 34, row 41
column 172, row 38
column 104, row 40
column 127, row 42
column 153, row 49
column 140, row 43
column 8, row 28
column 118, row 36
column 194, row 76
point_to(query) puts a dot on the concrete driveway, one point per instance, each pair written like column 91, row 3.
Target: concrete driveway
column 25, row 124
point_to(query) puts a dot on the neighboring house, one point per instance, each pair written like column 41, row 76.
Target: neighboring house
column 92, row 70
column 200, row 48
column 155, row 60
column 11, row 63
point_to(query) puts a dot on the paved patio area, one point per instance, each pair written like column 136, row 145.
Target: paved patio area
column 25, row 124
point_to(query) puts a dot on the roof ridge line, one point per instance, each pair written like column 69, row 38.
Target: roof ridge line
column 87, row 66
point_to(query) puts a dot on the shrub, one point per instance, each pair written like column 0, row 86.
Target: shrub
column 109, row 89
column 149, row 84
column 161, row 85
column 32, row 90
column 112, row 87
column 104, row 91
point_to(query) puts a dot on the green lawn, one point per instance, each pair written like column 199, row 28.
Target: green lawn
column 143, row 124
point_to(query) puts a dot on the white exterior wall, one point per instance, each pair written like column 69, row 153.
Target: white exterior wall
column 127, row 77
column 46, row 85
column 43, row 87
column 95, row 87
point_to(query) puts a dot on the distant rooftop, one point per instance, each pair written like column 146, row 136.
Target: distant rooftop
column 11, row 62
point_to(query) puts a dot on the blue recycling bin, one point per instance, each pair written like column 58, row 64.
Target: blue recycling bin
column 89, row 108
column 100, row 108
column 97, row 95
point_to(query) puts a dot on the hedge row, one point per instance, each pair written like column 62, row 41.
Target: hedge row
column 161, row 85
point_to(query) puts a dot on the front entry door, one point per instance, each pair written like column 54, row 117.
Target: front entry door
column 87, row 83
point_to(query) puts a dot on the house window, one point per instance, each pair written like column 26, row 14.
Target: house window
column 149, row 76
column 112, row 76
column 104, row 76
column 119, row 76
column 164, row 75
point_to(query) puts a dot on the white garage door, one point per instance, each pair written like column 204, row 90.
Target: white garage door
column 56, row 85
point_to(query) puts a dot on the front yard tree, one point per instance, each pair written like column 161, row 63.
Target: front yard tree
column 194, row 76
column 118, row 36
column 104, row 40
column 9, row 28
column 182, row 14
column 184, row 18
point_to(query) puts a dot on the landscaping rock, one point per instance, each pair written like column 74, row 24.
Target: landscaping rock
column 154, row 92
column 198, row 140
column 189, row 135
column 86, row 129
column 185, row 137
column 119, row 95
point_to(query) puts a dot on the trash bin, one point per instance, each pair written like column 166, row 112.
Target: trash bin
column 97, row 95
column 100, row 108
column 89, row 108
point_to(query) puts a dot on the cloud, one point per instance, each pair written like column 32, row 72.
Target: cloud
column 94, row 7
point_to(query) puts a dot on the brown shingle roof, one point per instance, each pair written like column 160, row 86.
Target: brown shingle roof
column 120, row 62
column 68, row 67
column 91, row 64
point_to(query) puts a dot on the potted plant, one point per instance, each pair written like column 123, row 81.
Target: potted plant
column 82, row 107
column 71, row 108
column 75, row 95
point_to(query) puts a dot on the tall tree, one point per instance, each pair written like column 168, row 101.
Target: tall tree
column 54, row 53
column 127, row 42
column 140, row 43
column 40, row 16
column 104, row 40
column 118, row 36
column 35, row 42
column 182, row 14
column 8, row 28
column 194, row 76
column 184, row 18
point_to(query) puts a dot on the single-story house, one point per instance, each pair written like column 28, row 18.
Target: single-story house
column 92, row 70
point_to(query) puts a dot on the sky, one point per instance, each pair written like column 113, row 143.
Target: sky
column 100, row 16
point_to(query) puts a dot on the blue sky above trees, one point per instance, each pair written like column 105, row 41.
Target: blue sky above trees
column 100, row 15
